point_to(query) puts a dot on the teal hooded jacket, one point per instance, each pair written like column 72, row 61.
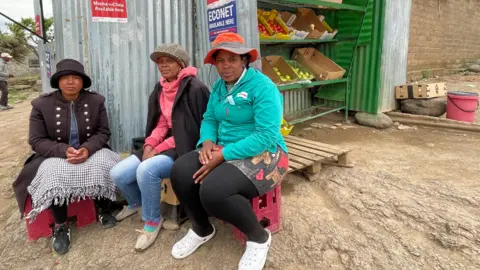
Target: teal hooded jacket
column 246, row 120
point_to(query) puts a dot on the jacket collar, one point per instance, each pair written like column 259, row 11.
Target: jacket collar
column 59, row 95
column 246, row 76
column 181, row 89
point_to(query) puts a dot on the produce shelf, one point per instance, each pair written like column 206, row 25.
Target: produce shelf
column 309, row 85
column 310, row 117
column 296, row 41
column 316, row 4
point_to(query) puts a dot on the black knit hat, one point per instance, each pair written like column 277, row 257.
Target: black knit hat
column 70, row 67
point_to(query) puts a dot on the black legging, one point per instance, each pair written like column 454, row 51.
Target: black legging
column 224, row 194
column 60, row 211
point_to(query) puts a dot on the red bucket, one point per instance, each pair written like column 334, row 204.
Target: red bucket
column 461, row 106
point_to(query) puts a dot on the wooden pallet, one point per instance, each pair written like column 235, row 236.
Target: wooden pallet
column 308, row 156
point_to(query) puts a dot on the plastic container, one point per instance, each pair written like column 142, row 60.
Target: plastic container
column 461, row 106
column 268, row 209
column 83, row 211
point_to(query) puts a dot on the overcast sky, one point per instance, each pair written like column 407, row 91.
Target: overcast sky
column 17, row 9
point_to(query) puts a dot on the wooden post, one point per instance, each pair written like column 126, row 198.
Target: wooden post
column 344, row 159
column 315, row 168
column 311, row 171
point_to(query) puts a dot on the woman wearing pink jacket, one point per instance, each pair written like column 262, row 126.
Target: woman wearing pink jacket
column 175, row 111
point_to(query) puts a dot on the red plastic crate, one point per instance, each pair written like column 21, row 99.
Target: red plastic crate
column 268, row 209
column 83, row 211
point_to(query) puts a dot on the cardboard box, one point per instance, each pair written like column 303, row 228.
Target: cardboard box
column 420, row 91
column 312, row 20
column 299, row 23
column 271, row 62
column 167, row 194
column 321, row 66
column 267, row 69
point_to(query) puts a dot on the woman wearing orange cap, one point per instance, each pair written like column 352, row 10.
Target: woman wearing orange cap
column 242, row 155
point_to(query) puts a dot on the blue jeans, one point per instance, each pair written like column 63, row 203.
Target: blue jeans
column 140, row 182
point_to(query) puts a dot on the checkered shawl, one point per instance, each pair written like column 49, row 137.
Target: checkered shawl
column 60, row 182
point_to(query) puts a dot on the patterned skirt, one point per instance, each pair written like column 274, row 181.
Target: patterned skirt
column 266, row 170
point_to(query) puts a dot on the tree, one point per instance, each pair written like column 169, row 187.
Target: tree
column 14, row 46
column 21, row 41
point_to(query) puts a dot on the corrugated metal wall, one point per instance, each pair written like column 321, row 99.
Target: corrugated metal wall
column 247, row 27
column 395, row 52
column 116, row 55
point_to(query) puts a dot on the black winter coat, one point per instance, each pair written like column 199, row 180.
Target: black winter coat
column 49, row 132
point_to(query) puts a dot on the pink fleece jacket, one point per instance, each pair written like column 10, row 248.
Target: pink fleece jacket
column 169, row 91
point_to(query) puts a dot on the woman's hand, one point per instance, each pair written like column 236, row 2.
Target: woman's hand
column 205, row 155
column 77, row 156
column 217, row 159
column 148, row 152
column 71, row 152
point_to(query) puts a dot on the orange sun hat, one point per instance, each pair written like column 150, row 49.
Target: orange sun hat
column 233, row 43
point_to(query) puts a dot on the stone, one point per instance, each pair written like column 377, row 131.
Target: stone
column 39, row 82
column 474, row 68
column 431, row 107
column 379, row 120
column 316, row 125
column 403, row 127
column 430, row 144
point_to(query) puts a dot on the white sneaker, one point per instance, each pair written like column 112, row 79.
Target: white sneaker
column 189, row 243
column 255, row 255
column 125, row 213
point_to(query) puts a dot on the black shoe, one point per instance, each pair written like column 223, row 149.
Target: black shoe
column 107, row 220
column 61, row 239
column 9, row 107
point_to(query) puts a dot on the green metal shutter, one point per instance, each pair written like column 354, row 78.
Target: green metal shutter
column 365, row 79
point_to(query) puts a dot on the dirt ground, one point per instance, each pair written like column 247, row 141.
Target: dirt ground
column 412, row 201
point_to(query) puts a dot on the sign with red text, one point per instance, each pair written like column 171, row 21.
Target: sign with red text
column 222, row 17
column 109, row 11
column 38, row 28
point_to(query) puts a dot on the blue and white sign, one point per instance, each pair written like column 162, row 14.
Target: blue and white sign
column 222, row 17
column 48, row 64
